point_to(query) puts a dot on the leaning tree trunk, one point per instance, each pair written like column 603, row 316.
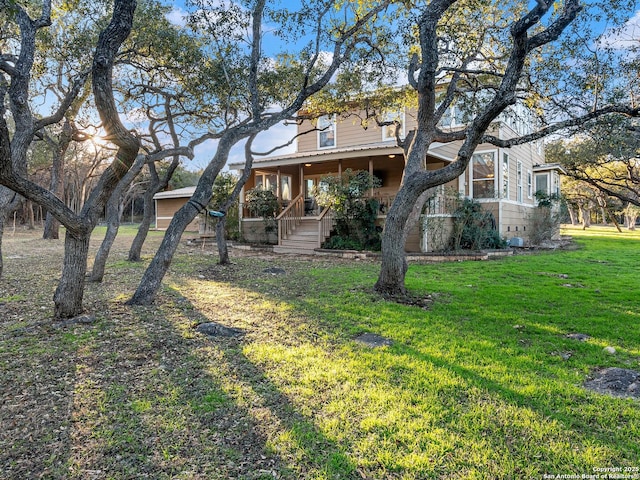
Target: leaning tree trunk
column 572, row 215
column 157, row 269
column 114, row 213
column 68, row 295
column 143, row 229
column 115, row 207
column 152, row 278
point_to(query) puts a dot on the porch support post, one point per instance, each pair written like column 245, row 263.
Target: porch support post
column 302, row 178
column 371, row 171
column 278, row 191
column 340, row 168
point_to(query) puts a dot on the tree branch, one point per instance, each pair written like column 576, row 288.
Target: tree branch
column 573, row 122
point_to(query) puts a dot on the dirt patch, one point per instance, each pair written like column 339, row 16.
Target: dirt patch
column 617, row 382
column 373, row 340
column 424, row 302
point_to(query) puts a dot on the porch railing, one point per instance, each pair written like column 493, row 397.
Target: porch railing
column 439, row 204
column 290, row 217
column 326, row 222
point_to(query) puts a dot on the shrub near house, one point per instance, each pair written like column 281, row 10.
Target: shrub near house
column 355, row 211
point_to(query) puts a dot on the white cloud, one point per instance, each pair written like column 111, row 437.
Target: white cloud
column 177, row 17
column 627, row 36
column 265, row 141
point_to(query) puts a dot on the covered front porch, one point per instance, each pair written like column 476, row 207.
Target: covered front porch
column 302, row 226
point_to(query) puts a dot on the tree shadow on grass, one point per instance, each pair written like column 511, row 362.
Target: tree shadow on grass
column 155, row 400
column 539, row 396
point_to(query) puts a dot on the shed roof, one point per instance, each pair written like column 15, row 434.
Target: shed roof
column 185, row 192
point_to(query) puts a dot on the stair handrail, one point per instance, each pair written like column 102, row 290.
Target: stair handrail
column 290, row 217
column 326, row 222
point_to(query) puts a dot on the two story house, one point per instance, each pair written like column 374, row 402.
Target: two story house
column 504, row 181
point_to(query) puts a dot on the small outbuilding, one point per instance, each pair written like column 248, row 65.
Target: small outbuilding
column 169, row 202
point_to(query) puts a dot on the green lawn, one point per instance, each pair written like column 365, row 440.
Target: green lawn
column 482, row 384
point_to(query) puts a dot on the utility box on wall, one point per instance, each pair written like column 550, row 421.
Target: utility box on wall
column 516, row 242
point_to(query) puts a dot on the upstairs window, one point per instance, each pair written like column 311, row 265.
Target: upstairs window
column 327, row 131
column 389, row 131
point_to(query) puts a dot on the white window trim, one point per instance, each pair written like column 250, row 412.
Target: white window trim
column 335, row 133
column 519, row 189
column 529, row 184
column 471, row 179
column 505, row 176
column 385, row 138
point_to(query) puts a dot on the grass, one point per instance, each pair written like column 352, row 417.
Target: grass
column 483, row 384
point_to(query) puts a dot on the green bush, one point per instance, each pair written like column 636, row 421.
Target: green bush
column 355, row 211
column 264, row 204
column 474, row 228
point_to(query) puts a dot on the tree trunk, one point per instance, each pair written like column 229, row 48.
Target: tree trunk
column 152, row 278
column 51, row 228
column 572, row 215
column 31, row 221
column 221, row 241
column 68, row 295
column 3, row 219
column 394, row 237
column 585, row 214
column 136, row 246
column 52, row 225
column 221, row 226
column 631, row 221
column 114, row 213
column 613, row 218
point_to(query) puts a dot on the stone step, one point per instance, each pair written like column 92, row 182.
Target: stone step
column 302, row 238
column 293, row 250
column 299, row 243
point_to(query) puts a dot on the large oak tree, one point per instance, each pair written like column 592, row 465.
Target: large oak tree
column 489, row 56
column 14, row 143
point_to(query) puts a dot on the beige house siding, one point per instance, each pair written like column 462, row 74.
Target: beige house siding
column 349, row 133
column 166, row 208
column 515, row 220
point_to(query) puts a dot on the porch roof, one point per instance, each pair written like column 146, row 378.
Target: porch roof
column 385, row 148
column 546, row 167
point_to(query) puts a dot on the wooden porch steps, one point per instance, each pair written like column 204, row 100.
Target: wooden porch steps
column 303, row 240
